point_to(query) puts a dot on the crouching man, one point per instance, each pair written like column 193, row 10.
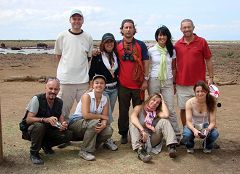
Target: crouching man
column 46, row 124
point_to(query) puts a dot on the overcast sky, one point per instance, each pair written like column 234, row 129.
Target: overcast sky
column 44, row 19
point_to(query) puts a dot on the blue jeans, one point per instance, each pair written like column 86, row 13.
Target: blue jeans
column 188, row 136
column 112, row 98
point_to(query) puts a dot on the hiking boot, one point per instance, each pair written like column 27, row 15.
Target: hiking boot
column 216, row 146
column 48, row 150
column 86, row 155
column 63, row 145
column 190, row 150
column 143, row 155
column 172, row 151
column 109, row 144
column 36, row 159
column 124, row 139
column 207, row 150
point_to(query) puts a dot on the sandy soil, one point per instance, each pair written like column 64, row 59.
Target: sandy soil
column 15, row 96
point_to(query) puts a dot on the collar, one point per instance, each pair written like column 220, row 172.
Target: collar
column 194, row 40
column 75, row 33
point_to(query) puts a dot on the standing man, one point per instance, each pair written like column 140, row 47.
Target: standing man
column 46, row 124
column 73, row 49
column 133, row 74
column 193, row 54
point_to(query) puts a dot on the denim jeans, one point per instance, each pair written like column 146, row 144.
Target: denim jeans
column 112, row 98
column 188, row 136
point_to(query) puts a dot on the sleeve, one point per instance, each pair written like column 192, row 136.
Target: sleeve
column 206, row 50
column 144, row 51
column 93, row 67
column 33, row 105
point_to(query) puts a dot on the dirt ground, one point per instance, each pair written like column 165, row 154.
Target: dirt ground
column 15, row 96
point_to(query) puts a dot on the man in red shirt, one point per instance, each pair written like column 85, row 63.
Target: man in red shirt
column 133, row 74
column 193, row 54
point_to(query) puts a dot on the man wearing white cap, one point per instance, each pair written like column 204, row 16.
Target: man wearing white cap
column 73, row 49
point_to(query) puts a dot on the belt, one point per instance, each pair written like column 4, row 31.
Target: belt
column 111, row 87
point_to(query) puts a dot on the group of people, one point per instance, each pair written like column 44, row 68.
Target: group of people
column 125, row 69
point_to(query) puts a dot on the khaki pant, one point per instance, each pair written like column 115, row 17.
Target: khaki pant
column 167, row 92
column 163, row 130
column 70, row 92
column 84, row 130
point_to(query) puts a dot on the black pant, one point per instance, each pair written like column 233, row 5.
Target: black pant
column 45, row 135
column 125, row 95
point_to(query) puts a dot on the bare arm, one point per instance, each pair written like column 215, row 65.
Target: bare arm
column 174, row 68
column 164, row 113
column 212, row 120
column 210, row 70
column 31, row 118
column 86, row 109
column 189, row 118
column 146, row 73
column 58, row 57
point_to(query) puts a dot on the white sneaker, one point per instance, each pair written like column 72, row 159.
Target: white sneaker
column 87, row 156
column 109, row 144
column 207, row 150
column 190, row 150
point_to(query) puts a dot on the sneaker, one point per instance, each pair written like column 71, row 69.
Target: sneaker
column 86, row 155
column 109, row 144
column 63, row 145
column 124, row 139
column 207, row 150
column 190, row 150
column 172, row 151
column 48, row 150
column 36, row 159
column 143, row 155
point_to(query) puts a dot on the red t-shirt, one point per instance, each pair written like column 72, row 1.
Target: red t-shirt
column 191, row 66
column 126, row 67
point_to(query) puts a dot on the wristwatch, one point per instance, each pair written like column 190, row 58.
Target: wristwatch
column 146, row 78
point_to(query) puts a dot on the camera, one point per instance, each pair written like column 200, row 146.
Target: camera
column 128, row 57
column 202, row 134
column 58, row 125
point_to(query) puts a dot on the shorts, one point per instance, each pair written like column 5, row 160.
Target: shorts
column 184, row 93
